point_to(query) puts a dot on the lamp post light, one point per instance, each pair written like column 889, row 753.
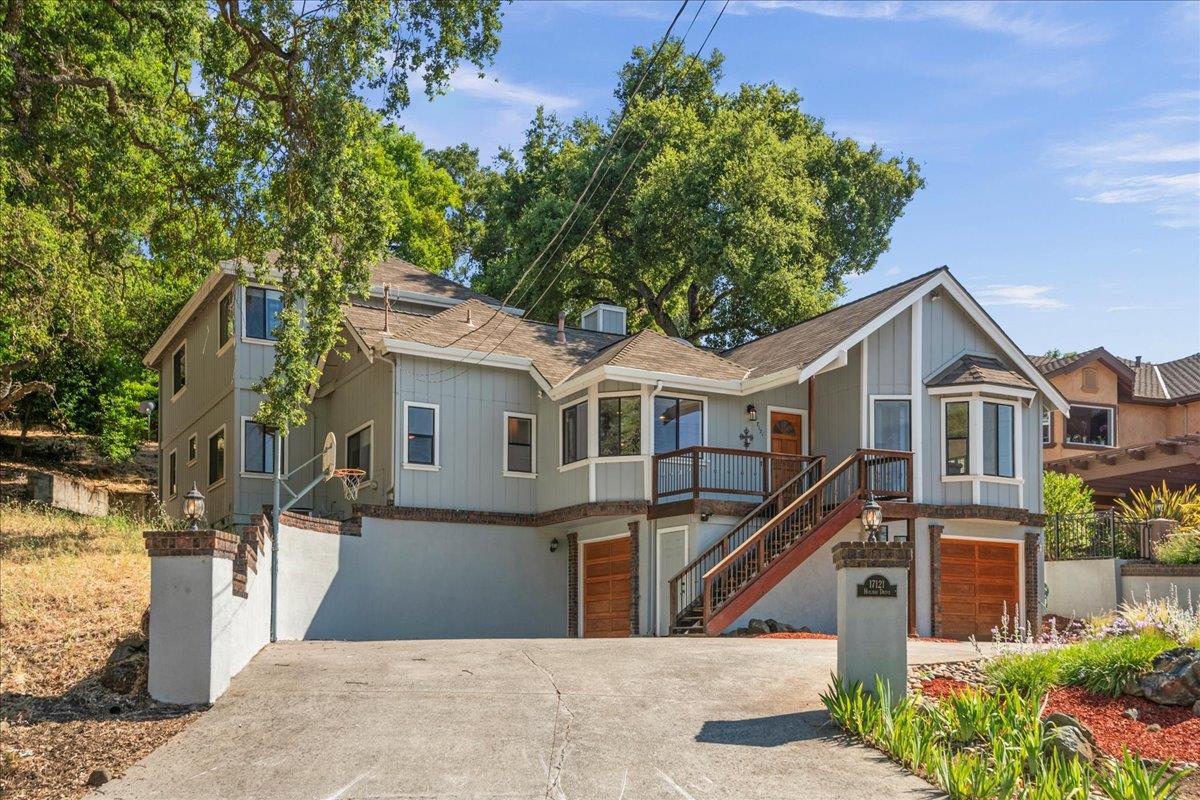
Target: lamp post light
column 872, row 519
column 193, row 507
column 1158, row 507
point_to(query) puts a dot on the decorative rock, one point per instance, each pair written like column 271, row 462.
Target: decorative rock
column 757, row 627
column 1196, row 708
column 1132, row 713
column 99, row 777
column 1058, row 720
column 1153, row 727
column 1132, row 688
column 1069, row 743
column 1174, row 679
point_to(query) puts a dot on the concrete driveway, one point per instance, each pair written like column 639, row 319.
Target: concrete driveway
column 542, row 718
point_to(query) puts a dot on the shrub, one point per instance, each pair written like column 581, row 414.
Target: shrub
column 1181, row 547
column 122, row 425
column 1170, row 616
column 1032, row 673
column 1065, row 494
column 1181, row 505
column 1098, row 665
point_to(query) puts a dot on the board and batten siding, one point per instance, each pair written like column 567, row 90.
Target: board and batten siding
column 554, row 488
column 837, row 401
column 889, row 356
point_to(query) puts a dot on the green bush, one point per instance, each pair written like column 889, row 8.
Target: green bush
column 1181, row 547
column 122, row 426
column 1065, row 494
column 1102, row 666
column 1032, row 674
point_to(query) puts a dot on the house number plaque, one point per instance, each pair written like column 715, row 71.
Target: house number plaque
column 876, row 586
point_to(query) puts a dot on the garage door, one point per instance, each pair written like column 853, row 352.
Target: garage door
column 606, row 588
column 978, row 580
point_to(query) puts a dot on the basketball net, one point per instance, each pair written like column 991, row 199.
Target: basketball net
column 352, row 480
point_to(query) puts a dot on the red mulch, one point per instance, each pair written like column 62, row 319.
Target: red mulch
column 1179, row 739
column 937, row 688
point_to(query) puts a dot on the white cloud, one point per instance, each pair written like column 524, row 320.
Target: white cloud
column 1023, row 295
column 493, row 87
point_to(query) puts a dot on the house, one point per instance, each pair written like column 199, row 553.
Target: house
column 533, row 479
column 1131, row 424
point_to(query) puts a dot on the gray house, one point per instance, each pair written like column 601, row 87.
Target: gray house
column 528, row 479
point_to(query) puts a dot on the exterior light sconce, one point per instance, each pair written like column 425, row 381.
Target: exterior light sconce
column 193, row 507
column 751, row 413
column 872, row 519
column 554, row 545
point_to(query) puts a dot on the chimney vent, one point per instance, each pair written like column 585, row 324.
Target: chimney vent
column 561, row 338
column 1137, row 362
column 470, row 322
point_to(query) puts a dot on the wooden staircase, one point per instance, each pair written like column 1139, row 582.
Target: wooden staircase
column 763, row 547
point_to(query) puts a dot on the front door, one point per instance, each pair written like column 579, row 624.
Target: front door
column 787, row 437
column 672, row 557
column 606, row 596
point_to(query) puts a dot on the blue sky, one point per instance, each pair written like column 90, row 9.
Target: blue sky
column 1060, row 143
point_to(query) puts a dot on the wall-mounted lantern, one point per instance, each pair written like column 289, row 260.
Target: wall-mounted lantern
column 554, row 545
column 193, row 507
column 751, row 413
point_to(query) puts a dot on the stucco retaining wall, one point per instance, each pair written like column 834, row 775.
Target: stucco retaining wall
column 1088, row 587
column 68, row 494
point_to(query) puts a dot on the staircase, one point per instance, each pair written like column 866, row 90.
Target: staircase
column 763, row 547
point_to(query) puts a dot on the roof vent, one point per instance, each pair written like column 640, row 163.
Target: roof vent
column 1137, row 362
column 470, row 322
column 606, row 318
column 561, row 337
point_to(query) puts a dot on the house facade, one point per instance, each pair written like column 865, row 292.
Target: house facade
column 1131, row 424
column 528, row 479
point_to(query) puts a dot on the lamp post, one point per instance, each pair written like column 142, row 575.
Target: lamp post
column 193, row 507
column 872, row 519
column 1158, row 507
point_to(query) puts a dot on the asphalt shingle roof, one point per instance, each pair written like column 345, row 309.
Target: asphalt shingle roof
column 979, row 369
column 404, row 276
column 650, row 350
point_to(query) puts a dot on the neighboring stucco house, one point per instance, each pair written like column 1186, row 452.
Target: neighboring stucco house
column 528, row 479
column 1131, row 424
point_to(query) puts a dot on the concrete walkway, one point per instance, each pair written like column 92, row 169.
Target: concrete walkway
column 544, row 718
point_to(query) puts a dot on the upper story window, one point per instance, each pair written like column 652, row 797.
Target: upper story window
column 192, row 449
column 958, row 435
column 358, row 449
column 420, row 435
column 574, row 432
column 225, row 320
column 1092, row 425
column 1047, row 426
column 172, row 485
column 891, row 424
column 179, row 370
column 998, row 440
column 216, row 456
column 262, row 312
column 620, row 426
column 678, row 423
column 520, row 431
column 258, row 448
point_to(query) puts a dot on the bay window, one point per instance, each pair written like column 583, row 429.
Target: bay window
column 620, row 426
column 958, row 434
column 678, row 423
column 998, row 440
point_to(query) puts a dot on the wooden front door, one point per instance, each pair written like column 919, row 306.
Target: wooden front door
column 979, row 581
column 606, row 598
column 787, row 437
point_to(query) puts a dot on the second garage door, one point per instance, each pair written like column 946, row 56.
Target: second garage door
column 606, row 588
column 979, row 580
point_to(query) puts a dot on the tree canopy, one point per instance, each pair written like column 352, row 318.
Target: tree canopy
column 717, row 216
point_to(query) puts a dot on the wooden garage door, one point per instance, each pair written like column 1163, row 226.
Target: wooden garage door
column 977, row 580
column 606, row 588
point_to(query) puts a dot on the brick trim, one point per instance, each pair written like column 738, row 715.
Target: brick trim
column 213, row 543
column 513, row 519
column 935, row 577
column 350, row 527
column 872, row 554
column 900, row 510
column 1033, row 585
column 1146, row 569
column 634, row 596
column 573, row 584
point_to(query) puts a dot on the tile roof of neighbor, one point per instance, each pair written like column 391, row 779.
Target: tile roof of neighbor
column 979, row 369
column 1169, row 380
column 806, row 341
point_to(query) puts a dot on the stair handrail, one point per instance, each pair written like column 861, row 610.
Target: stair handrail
column 813, row 462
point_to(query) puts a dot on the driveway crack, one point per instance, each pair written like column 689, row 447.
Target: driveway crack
column 558, row 748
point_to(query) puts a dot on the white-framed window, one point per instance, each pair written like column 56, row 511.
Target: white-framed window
column 179, row 370
column 1090, row 425
column 1047, row 426
column 620, row 425
column 573, row 432
column 258, row 448
column 999, row 439
column 360, row 449
column 225, row 321
column 261, row 313
column 956, row 417
column 678, row 423
column 520, row 445
column 891, row 422
column 216, row 457
column 422, row 439
column 191, row 449
column 981, row 439
column 172, row 474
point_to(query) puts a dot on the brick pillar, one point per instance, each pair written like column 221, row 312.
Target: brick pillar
column 935, row 575
column 1033, row 585
column 634, row 605
column 573, row 584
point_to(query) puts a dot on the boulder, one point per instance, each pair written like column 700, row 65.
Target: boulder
column 1069, row 737
column 126, row 675
column 1174, row 678
column 1131, row 713
column 757, row 627
column 1196, row 708
column 99, row 777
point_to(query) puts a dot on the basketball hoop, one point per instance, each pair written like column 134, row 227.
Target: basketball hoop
column 352, row 480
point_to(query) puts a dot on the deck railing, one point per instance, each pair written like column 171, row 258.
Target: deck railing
column 695, row 471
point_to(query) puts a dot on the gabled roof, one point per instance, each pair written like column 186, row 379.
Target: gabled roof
column 805, row 342
column 970, row 370
column 403, row 276
column 651, row 351
column 369, row 321
column 1169, row 381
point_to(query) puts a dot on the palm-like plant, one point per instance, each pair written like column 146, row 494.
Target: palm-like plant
column 1181, row 505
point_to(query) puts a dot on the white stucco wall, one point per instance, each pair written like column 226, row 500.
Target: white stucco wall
column 421, row 580
column 189, row 634
column 1135, row 587
column 250, row 617
column 1079, row 589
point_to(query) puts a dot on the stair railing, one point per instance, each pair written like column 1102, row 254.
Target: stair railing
column 850, row 480
column 686, row 585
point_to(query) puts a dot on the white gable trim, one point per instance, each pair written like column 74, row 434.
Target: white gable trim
column 460, row 354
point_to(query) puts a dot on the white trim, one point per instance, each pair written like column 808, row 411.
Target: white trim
column 1112, row 425
column 505, row 471
column 599, row 308
column 802, row 413
column 593, row 437
column 172, row 454
column 193, row 444
column 233, row 335
column 371, row 443
column 917, row 388
column 871, row 417
column 1046, row 421
column 437, row 437
column 245, row 473
column 1162, row 384
column 659, row 581
column 358, row 340
column 863, row 379
column 983, row 388
column 182, row 346
column 562, row 467
column 245, row 304
column 395, row 487
column 975, row 475
column 460, row 354
column 224, row 458
column 630, row 375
